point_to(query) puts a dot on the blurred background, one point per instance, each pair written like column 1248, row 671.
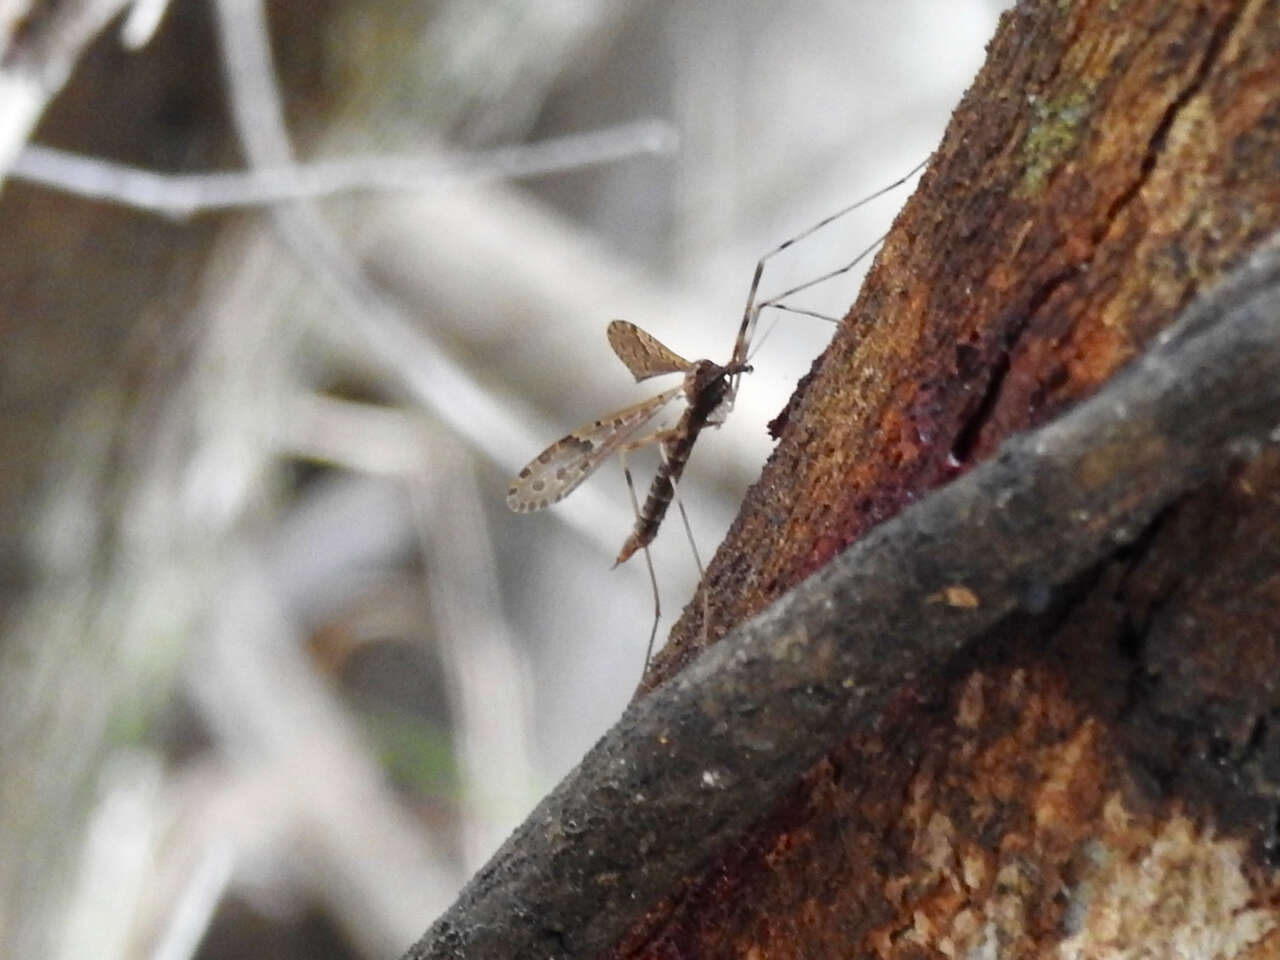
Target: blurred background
column 279, row 669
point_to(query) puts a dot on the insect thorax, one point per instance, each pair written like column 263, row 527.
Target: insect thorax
column 708, row 388
column 705, row 385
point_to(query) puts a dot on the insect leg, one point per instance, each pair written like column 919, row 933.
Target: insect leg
column 648, row 561
column 786, row 307
column 662, row 438
column 776, row 301
column 752, row 311
column 684, row 516
column 688, row 529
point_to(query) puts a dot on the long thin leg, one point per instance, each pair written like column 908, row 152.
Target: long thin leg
column 697, row 559
column 659, row 437
column 830, row 275
column 760, row 340
column 648, row 562
column 702, row 574
column 775, row 304
column 684, row 516
column 751, row 311
column 787, row 308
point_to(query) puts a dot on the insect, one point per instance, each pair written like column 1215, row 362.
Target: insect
column 709, row 390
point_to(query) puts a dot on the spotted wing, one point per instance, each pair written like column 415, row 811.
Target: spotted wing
column 556, row 472
column 642, row 352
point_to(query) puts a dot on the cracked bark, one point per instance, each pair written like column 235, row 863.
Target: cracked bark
column 1095, row 768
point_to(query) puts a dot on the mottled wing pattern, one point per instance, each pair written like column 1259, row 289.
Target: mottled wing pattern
column 556, row 472
column 644, row 355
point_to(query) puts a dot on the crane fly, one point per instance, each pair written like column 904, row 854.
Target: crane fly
column 709, row 390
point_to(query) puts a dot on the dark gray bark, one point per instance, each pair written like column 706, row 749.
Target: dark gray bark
column 689, row 767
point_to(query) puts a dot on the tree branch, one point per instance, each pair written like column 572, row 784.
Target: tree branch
column 36, row 61
column 184, row 195
column 689, row 767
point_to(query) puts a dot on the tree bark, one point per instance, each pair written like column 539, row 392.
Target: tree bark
column 1088, row 765
column 682, row 777
column 1110, row 162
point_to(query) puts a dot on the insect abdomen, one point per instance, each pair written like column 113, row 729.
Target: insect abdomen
column 706, row 393
column 658, row 500
column 675, row 457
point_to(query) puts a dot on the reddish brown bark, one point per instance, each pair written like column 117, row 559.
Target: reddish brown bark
column 1110, row 162
column 858, row 651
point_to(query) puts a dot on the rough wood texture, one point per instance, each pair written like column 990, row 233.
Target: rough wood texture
column 1102, row 773
column 1109, row 162
column 855, row 652
column 1051, row 679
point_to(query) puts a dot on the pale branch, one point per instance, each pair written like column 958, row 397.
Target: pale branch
column 186, row 194
column 36, row 58
column 689, row 768
column 142, row 22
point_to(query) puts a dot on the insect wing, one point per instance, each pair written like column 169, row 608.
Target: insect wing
column 556, row 472
column 644, row 355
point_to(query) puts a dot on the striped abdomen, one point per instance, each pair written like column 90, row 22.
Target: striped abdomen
column 706, row 387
